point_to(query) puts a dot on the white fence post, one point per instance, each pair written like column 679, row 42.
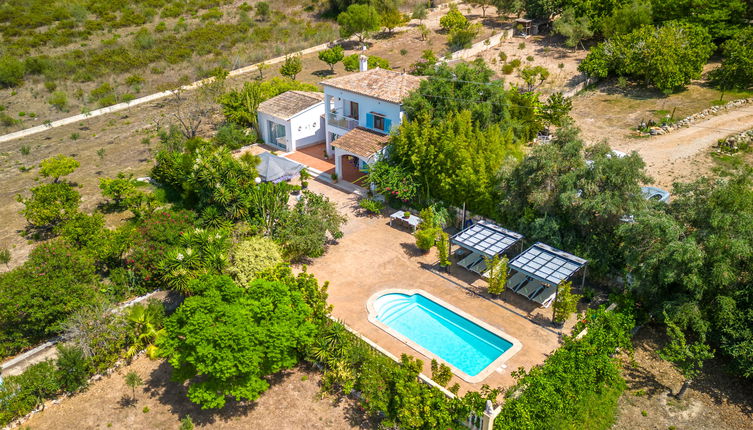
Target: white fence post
column 490, row 414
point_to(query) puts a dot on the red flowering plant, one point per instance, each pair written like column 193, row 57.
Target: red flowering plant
column 155, row 236
column 393, row 181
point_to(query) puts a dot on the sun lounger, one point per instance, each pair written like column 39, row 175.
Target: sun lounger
column 545, row 296
column 470, row 260
column 479, row 266
column 515, row 280
column 531, row 287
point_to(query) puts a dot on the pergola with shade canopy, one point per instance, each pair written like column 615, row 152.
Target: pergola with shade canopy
column 483, row 239
column 540, row 269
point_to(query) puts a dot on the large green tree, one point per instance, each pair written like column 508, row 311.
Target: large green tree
column 359, row 20
column 37, row 297
column 667, row 57
column 455, row 160
column 227, row 339
column 736, row 70
column 556, row 196
column 721, row 18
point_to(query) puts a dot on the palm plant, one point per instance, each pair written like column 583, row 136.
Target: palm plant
column 145, row 321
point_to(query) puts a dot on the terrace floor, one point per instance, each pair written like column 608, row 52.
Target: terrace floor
column 313, row 156
column 372, row 256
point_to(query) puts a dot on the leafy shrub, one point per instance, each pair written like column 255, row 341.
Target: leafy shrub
column 59, row 100
column 134, row 81
column 102, row 335
column 371, row 205
column 666, row 58
column 508, row 69
column 72, row 368
column 20, row 394
column 351, row 62
column 309, row 226
column 462, row 38
column 233, row 136
column 426, row 238
column 50, row 86
column 11, row 71
column 252, row 256
column 453, row 20
column 101, row 91
column 155, row 235
column 55, row 281
column 8, row 120
column 559, row 390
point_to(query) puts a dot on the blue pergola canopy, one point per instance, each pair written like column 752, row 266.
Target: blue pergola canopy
column 547, row 264
column 486, row 238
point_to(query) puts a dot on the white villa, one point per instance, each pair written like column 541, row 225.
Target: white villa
column 292, row 120
column 361, row 109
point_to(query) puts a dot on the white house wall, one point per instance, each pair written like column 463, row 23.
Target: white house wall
column 311, row 127
column 391, row 111
column 309, row 121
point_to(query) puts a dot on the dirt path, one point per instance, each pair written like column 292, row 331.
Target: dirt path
column 611, row 113
column 683, row 155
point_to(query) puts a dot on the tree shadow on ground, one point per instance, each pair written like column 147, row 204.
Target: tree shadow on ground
column 723, row 387
column 633, row 91
column 161, row 387
column 323, row 73
column 127, row 401
column 412, row 250
column 638, row 378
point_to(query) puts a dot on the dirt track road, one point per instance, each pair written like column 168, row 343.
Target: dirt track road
column 683, row 154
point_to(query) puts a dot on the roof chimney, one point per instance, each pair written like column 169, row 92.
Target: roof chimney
column 363, row 63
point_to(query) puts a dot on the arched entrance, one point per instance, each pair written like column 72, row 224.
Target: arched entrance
column 353, row 169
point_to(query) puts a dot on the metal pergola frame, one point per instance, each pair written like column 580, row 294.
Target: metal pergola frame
column 484, row 237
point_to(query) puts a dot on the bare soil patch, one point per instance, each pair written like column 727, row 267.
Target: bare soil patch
column 609, row 113
column 293, row 402
column 715, row 401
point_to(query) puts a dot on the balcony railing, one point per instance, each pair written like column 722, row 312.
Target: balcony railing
column 340, row 121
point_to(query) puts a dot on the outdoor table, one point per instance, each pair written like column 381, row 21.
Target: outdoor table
column 412, row 221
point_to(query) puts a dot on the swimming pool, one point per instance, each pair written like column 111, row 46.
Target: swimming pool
column 472, row 348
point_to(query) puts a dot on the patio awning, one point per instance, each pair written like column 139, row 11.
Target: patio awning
column 486, row 238
column 547, row 264
column 272, row 168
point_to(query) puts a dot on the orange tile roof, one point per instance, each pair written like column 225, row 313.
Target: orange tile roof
column 290, row 103
column 387, row 85
column 362, row 142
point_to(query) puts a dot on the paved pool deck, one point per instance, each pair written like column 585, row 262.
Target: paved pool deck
column 373, row 256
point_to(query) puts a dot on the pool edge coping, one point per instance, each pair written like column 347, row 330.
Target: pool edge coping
column 483, row 374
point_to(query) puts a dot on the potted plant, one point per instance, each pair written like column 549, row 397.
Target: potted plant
column 304, row 175
column 305, row 185
column 334, row 177
column 406, row 214
column 326, row 156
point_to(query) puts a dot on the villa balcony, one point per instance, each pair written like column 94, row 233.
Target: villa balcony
column 341, row 121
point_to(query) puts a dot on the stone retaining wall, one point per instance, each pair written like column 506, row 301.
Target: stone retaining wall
column 700, row 116
column 735, row 142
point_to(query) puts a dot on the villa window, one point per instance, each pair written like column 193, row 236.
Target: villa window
column 378, row 122
column 353, row 110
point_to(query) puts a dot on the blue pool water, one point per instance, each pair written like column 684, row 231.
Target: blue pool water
column 453, row 338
